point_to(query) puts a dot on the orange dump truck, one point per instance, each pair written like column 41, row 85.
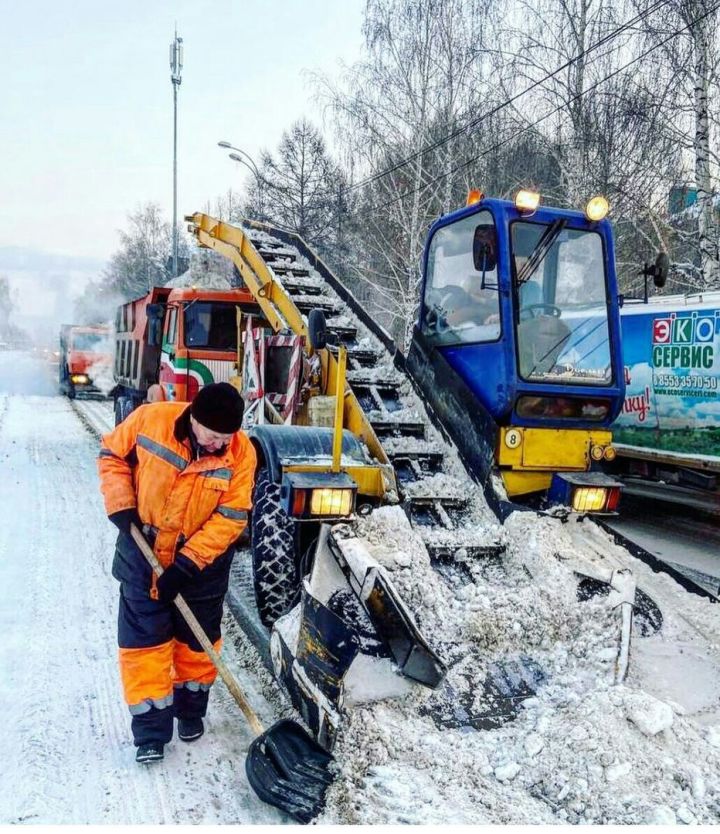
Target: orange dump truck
column 171, row 342
column 85, row 364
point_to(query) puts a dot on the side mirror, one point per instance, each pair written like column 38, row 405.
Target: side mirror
column 660, row 270
column 485, row 249
column 317, row 329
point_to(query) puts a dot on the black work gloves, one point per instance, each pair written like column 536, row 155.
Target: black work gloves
column 124, row 518
column 175, row 577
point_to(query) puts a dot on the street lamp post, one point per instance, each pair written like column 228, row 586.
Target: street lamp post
column 176, row 64
column 246, row 160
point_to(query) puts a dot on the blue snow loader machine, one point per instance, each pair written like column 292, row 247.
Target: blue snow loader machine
column 517, row 346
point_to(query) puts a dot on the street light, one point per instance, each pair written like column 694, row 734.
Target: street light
column 249, row 163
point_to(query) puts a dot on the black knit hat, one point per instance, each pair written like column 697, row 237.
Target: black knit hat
column 219, row 407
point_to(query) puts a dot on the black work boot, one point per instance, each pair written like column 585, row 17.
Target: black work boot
column 190, row 729
column 152, row 752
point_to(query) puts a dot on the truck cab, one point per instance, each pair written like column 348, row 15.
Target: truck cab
column 522, row 305
column 171, row 342
column 85, row 359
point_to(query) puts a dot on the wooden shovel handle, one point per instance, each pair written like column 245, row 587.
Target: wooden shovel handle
column 202, row 638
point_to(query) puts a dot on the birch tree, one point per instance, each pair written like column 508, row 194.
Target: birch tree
column 685, row 34
column 421, row 78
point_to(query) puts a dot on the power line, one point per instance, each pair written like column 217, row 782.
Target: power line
column 478, row 119
column 552, row 112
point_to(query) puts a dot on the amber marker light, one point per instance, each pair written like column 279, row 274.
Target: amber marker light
column 474, row 196
column 527, row 200
column 596, row 453
column 597, row 209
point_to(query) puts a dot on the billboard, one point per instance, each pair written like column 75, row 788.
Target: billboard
column 671, row 353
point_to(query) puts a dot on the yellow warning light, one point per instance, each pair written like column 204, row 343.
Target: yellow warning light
column 527, row 200
column 597, row 208
column 474, row 196
column 609, row 453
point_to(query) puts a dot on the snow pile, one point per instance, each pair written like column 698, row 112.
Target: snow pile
column 582, row 750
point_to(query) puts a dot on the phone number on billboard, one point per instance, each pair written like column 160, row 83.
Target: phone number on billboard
column 707, row 383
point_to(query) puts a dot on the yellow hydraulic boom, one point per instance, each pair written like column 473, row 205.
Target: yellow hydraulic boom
column 376, row 479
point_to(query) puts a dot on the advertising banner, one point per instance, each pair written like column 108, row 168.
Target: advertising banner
column 671, row 353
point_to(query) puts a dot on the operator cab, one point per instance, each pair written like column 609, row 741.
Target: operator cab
column 524, row 308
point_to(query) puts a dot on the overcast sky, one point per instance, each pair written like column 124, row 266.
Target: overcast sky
column 86, row 105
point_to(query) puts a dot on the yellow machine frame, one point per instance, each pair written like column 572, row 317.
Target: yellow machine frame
column 528, row 457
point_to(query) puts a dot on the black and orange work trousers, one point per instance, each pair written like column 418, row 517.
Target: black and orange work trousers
column 165, row 672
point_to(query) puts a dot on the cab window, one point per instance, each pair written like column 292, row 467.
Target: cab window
column 461, row 302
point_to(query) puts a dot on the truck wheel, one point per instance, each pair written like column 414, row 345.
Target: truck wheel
column 276, row 578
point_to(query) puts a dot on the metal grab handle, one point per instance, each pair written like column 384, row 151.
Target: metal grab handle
column 202, row 638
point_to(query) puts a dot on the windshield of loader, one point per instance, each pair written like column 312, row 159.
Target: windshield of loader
column 210, row 326
column 560, row 289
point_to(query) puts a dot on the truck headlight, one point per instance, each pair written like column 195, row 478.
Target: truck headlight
column 79, row 379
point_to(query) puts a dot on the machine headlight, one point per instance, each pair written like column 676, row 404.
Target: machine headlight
column 527, row 200
column 597, row 209
column 589, row 499
column 314, row 495
column 328, row 501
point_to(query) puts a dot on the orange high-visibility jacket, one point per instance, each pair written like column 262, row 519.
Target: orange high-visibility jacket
column 202, row 504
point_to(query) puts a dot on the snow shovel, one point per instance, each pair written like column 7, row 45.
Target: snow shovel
column 285, row 766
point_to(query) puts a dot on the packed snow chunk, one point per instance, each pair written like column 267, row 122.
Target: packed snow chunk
column 662, row 815
column 534, row 743
column 713, row 736
column 685, row 815
column 507, row 772
column 618, row 771
column 649, row 715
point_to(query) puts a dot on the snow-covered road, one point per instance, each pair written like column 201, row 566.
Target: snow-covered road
column 66, row 750
column 582, row 750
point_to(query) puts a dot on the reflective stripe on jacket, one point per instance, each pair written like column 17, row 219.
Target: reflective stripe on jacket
column 147, row 461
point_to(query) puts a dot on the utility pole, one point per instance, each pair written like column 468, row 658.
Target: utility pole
column 176, row 64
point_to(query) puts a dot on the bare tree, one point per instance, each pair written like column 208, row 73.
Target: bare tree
column 421, row 79
column 685, row 35
column 143, row 259
column 297, row 187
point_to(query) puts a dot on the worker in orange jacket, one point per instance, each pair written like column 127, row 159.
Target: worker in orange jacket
column 184, row 475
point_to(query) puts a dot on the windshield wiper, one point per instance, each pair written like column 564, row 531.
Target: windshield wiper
column 541, row 249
